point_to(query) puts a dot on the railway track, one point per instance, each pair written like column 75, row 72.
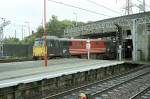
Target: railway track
column 125, row 89
column 144, row 94
column 15, row 60
column 111, row 88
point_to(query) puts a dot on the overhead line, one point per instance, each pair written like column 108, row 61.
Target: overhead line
column 80, row 8
column 103, row 6
column 145, row 4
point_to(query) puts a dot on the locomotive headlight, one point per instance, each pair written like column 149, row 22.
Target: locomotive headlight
column 108, row 49
column 129, row 46
column 64, row 50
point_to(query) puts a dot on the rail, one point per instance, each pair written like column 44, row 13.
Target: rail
column 68, row 92
column 8, row 60
column 110, row 88
column 138, row 95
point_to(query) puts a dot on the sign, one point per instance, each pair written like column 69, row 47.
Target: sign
column 88, row 45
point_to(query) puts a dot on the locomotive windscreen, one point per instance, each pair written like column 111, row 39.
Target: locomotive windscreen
column 38, row 43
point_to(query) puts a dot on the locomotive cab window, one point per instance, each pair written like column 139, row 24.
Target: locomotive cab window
column 56, row 43
column 36, row 43
column 49, row 44
column 39, row 43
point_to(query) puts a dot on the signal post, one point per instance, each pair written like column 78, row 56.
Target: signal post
column 45, row 27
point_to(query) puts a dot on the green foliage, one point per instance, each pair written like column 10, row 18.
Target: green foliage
column 29, row 40
column 54, row 27
column 11, row 41
column 40, row 32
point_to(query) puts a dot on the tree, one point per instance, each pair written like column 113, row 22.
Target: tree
column 55, row 27
column 40, row 31
column 11, row 40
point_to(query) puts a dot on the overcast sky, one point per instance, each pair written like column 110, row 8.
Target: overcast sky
column 21, row 11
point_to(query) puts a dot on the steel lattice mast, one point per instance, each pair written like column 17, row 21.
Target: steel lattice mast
column 128, row 7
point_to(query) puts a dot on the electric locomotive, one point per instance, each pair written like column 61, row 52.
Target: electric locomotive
column 64, row 47
column 55, row 47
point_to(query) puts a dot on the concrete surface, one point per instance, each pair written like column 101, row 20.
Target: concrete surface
column 25, row 72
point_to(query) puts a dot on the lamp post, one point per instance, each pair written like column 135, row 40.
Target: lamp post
column 76, row 17
column 45, row 27
column 28, row 25
column 22, row 31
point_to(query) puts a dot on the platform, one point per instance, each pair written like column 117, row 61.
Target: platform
column 137, row 62
column 24, row 72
